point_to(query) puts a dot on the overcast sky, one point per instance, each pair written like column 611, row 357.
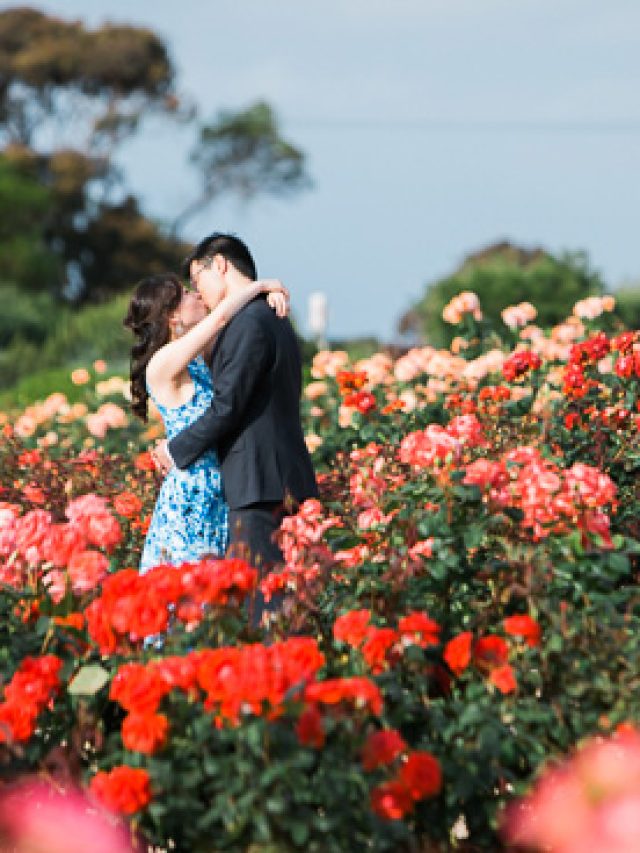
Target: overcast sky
column 432, row 127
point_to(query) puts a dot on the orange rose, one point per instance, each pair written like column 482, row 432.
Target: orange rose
column 127, row 504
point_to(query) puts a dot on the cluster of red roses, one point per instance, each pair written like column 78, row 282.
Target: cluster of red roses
column 351, row 384
column 231, row 681
column 489, row 401
column 519, row 364
column 132, row 606
column 582, row 356
column 550, row 498
column 417, row 774
column 28, row 693
column 490, row 653
column 616, row 414
column 381, row 647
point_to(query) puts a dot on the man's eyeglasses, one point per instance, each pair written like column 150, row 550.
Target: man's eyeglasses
column 204, row 264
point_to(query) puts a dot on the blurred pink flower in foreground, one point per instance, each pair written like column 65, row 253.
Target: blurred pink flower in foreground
column 35, row 818
column 590, row 804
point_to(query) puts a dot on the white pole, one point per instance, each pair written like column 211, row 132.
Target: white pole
column 317, row 318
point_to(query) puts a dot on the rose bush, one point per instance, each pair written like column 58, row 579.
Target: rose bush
column 461, row 605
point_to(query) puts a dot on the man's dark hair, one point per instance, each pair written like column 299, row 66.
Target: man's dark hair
column 230, row 247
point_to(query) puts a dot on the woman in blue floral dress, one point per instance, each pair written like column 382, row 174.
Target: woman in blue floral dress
column 174, row 334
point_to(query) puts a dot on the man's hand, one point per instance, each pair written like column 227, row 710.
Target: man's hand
column 161, row 457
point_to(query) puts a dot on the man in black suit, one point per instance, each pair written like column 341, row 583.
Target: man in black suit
column 254, row 418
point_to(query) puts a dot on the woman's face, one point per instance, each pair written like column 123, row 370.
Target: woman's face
column 191, row 309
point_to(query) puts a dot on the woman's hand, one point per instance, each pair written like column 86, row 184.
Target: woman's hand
column 277, row 295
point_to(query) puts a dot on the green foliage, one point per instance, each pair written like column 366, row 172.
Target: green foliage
column 628, row 306
column 50, row 342
column 24, row 212
column 504, row 275
column 25, row 316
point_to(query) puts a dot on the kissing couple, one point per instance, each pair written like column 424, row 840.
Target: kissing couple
column 220, row 360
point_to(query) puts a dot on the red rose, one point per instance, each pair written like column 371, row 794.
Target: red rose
column 419, row 629
column 523, row 626
column 99, row 627
column 421, row 775
column 145, row 733
column 490, row 651
column 377, row 646
column 352, row 627
column 309, row 728
column 34, row 493
column 124, row 790
column 144, row 462
column 146, row 615
column 138, row 689
column 457, row 652
column 381, row 748
column 17, row 722
column 30, row 457
column 391, row 801
column 503, row 678
column 333, row 691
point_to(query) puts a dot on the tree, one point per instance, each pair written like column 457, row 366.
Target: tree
column 68, row 97
column 504, row 274
column 244, row 153
column 628, row 305
column 99, row 82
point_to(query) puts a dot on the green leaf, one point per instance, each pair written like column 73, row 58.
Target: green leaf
column 88, row 680
column 299, row 832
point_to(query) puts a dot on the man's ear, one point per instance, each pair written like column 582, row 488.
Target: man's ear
column 221, row 264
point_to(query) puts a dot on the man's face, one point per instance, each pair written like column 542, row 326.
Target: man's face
column 206, row 277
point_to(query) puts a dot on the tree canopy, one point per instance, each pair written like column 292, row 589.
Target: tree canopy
column 505, row 274
column 69, row 96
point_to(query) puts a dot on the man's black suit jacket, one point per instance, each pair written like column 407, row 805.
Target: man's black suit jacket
column 254, row 418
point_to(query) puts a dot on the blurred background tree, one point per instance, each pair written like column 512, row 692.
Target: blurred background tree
column 71, row 232
column 504, row 274
column 243, row 153
column 628, row 304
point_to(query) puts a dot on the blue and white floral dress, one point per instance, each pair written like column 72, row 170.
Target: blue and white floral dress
column 190, row 518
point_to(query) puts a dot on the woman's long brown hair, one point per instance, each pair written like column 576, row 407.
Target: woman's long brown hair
column 152, row 303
